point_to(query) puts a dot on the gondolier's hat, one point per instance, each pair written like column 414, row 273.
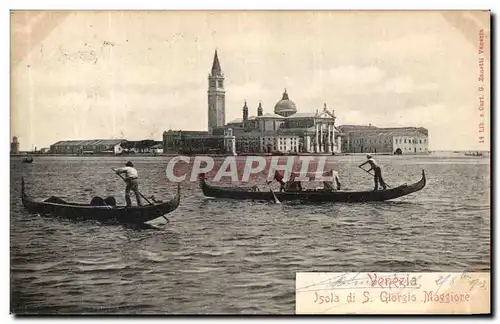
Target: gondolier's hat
column 368, row 156
column 129, row 164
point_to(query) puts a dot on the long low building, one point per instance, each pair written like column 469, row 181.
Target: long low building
column 102, row 146
column 221, row 141
column 371, row 139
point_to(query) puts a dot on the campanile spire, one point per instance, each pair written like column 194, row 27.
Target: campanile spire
column 216, row 96
column 216, row 70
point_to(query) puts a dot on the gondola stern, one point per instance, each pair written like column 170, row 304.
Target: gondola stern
column 178, row 194
column 24, row 196
column 202, row 183
column 23, row 190
column 201, row 180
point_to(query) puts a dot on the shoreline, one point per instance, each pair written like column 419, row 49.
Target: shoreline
column 23, row 155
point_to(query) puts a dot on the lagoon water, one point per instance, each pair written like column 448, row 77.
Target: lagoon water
column 240, row 257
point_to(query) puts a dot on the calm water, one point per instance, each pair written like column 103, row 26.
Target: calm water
column 219, row 256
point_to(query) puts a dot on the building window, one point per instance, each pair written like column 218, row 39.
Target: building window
column 405, row 140
column 420, row 141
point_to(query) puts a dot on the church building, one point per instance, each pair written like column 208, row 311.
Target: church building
column 282, row 131
column 285, row 130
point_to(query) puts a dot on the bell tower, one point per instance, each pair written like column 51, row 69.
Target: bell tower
column 216, row 96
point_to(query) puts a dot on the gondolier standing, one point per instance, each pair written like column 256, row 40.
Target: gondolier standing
column 378, row 172
column 131, row 176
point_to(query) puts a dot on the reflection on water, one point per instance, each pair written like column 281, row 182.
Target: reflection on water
column 223, row 256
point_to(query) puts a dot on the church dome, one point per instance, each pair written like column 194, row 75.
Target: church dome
column 285, row 107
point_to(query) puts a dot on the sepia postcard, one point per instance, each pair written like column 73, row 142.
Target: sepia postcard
column 250, row 162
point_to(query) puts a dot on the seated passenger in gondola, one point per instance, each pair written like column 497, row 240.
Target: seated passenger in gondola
column 330, row 185
column 293, row 185
column 278, row 177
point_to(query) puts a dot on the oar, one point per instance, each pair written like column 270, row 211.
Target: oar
column 139, row 191
column 276, row 200
column 372, row 175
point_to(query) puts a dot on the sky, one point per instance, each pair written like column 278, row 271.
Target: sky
column 135, row 74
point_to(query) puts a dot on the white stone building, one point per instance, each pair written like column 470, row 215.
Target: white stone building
column 286, row 131
column 371, row 139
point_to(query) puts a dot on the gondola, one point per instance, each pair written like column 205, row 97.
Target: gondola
column 105, row 213
column 311, row 195
column 28, row 160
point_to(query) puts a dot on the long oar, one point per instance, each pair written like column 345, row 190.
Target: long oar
column 276, row 200
column 373, row 175
column 139, row 191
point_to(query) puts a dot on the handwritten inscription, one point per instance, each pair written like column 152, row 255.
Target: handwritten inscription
column 389, row 293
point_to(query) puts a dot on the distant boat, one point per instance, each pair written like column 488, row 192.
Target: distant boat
column 28, row 159
column 473, row 154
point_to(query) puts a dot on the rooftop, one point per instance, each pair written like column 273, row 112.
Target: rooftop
column 236, row 121
column 90, row 142
column 270, row 115
column 302, row 115
column 381, row 132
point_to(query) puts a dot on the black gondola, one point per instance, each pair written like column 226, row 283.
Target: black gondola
column 311, row 195
column 104, row 213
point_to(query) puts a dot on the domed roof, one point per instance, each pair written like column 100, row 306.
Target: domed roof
column 285, row 106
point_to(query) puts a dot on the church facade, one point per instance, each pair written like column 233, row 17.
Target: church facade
column 285, row 130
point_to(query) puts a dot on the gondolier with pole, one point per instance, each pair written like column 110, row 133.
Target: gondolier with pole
column 377, row 176
column 131, row 176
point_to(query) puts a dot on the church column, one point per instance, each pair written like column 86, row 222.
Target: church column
column 329, row 140
column 316, row 144
column 307, row 144
column 322, row 146
column 333, row 138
